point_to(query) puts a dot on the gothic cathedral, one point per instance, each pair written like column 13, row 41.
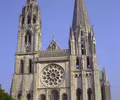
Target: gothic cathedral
column 57, row 74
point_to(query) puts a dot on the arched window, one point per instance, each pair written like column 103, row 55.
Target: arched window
column 21, row 66
column 28, row 96
column 23, row 20
column 42, row 97
column 30, row 66
column 29, row 19
column 34, row 19
column 81, row 33
column 89, row 94
column 78, row 94
column 88, row 61
column 54, row 95
column 28, row 38
column 28, row 41
column 77, row 63
column 64, row 96
column 83, row 49
column 19, row 96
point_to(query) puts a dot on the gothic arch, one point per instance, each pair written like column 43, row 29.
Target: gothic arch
column 89, row 94
column 20, row 96
column 78, row 94
column 29, row 19
column 34, row 19
column 42, row 97
column 83, row 50
column 28, row 96
column 54, row 95
column 64, row 96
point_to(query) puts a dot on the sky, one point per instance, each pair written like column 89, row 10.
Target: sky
column 56, row 16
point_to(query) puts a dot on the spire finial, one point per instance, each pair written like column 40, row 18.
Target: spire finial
column 104, row 75
column 53, row 38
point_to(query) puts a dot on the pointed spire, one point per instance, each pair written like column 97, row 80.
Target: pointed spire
column 104, row 75
column 30, row 1
column 80, row 16
column 53, row 38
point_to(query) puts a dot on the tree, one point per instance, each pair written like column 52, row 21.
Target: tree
column 4, row 95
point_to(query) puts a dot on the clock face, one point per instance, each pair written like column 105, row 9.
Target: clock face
column 52, row 75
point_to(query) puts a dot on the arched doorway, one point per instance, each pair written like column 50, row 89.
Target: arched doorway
column 54, row 95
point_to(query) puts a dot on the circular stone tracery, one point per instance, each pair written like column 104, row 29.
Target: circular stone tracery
column 52, row 75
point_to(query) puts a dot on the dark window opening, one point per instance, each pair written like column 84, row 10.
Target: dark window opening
column 64, row 96
column 81, row 33
column 22, row 66
column 19, row 97
column 29, row 19
column 28, row 96
column 83, row 49
column 78, row 94
column 102, row 93
column 77, row 63
column 30, row 66
column 88, row 62
column 42, row 97
column 34, row 19
column 22, row 20
column 89, row 94
column 28, row 38
column 54, row 95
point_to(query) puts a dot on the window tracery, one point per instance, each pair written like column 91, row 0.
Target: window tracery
column 52, row 75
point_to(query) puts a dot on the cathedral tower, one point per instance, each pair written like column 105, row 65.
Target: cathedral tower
column 57, row 74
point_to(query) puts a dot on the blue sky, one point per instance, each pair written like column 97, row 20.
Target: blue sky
column 56, row 16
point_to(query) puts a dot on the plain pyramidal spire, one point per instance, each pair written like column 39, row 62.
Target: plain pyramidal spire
column 80, row 16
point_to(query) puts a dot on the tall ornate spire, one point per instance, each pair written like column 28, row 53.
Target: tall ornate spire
column 80, row 17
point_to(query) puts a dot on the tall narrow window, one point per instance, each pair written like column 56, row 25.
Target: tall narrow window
column 78, row 94
column 21, row 66
column 77, row 63
column 34, row 19
column 42, row 97
column 23, row 20
column 29, row 19
column 28, row 97
column 28, row 38
column 30, row 66
column 28, row 41
column 89, row 94
column 64, row 96
column 102, row 93
column 54, row 95
column 94, row 47
column 88, row 61
column 19, row 96
column 81, row 33
column 83, row 49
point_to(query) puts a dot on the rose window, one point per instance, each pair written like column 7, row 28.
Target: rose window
column 52, row 75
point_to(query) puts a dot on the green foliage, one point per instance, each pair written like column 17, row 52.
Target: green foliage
column 4, row 95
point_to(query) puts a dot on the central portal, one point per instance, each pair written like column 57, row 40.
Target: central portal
column 54, row 95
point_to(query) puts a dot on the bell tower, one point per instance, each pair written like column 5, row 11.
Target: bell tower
column 29, row 34
column 85, row 82
column 29, row 42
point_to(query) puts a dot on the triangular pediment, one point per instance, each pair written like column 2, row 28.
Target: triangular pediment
column 53, row 46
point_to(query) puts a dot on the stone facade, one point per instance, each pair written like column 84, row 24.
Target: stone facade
column 57, row 74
